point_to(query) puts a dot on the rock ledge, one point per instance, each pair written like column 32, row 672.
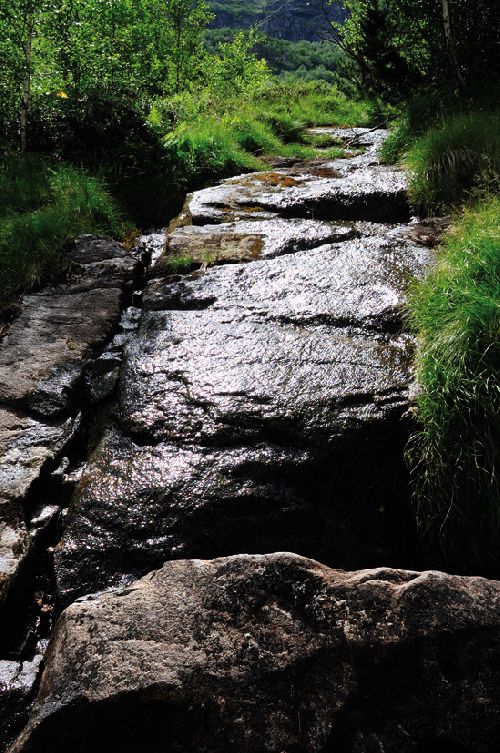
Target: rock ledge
column 274, row 653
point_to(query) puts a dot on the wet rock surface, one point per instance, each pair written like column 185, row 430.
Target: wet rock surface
column 343, row 189
column 274, row 653
column 42, row 362
column 27, row 447
column 369, row 193
column 246, row 241
column 45, row 361
column 260, row 402
column 352, row 136
column 261, row 408
column 18, row 684
column 430, row 231
column 45, row 351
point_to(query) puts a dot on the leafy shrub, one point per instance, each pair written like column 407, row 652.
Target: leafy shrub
column 235, row 69
column 177, row 264
column 455, row 456
column 107, row 133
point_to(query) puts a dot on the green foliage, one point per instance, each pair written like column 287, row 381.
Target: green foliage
column 65, row 50
column 207, row 137
column 307, row 61
column 324, row 140
column 128, row 91
column 288, row 127
column 455, row 456
column 177, row 264
column 302, row 59
column 43, row 209
column 288, row 19
column 450, row 160
column 24, row 184
column 334, row 152
column 315, row 103
column 398, row 142
column 205, row 150
column 185, row 21
column 402, row 45
column 235, row 69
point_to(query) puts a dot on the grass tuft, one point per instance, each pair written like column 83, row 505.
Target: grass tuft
column 455, row 455
column 41, row 212
column 397, row 144
column 24, row 183
column 178, row 264
column 204, row 150
column 453, row 159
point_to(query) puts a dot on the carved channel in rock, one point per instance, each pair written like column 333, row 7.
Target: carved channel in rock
column 59, row 365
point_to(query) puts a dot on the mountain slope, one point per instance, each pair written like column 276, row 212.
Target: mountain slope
column 285, row 19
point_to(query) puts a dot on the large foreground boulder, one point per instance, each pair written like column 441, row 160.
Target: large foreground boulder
column 274, row 653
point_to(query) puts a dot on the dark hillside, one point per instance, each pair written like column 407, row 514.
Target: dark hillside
column 285, row 19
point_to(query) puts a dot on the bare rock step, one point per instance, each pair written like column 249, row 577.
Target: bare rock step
column 367, row 137
column 246, row 241
column 357, row 189
column 43, row 356
column 338, row 273
column 261, row 409
column 27, row 447
column 274, row 653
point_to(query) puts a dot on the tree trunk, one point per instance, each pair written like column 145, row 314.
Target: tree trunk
column 450, row 42
column 25, row 102
column 178, row 62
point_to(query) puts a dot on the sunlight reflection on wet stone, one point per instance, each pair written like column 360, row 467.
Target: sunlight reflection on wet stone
column 354, row 189
column 260, row 403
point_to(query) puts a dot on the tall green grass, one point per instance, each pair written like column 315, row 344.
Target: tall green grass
column 423, row 112
column 24, row 183
column 451, row 160
column 42, row 209
column 205, row 149
column 312, row 104
column 458, row 155
column 207, row 138
column 455, row 455
column 398, row 142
